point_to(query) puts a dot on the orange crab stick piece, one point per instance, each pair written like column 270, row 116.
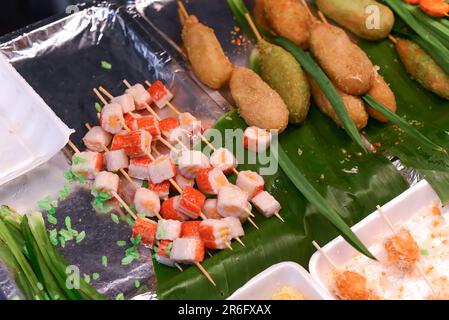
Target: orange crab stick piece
column 191, row 202
column 167, row 125
column 169, row 211
column 211, row 180
column 135, row 143
column 161, row 189
column 146, row 229
column 190, row 229
column 150, row 124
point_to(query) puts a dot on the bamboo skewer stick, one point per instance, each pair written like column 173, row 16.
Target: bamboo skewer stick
column 322, row 17
column 253, row 27
column 326, row 256
column 205, row 273
column 394, row 230
column 392, row 38
column 183, row 10
column 309, row 12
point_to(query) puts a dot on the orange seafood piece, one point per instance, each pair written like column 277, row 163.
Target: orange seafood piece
column 191, row 202
column 402, row 249
column 130, row 121
column 435, row 8
column 149, row 124
column 190, row 229
column 135, row 143
column 168, row 124
column 352, row 286
column 157, row 90
column 169, row 211
column 146, row 229
column 210, row 180
column 161, row 189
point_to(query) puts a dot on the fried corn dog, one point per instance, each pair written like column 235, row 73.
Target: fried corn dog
column 289, row 19
column 348, row 67
column 284, row 74
column 205, row 53
column 258, row 104
column 382, row 93
column 354, row 15
column 423, row 68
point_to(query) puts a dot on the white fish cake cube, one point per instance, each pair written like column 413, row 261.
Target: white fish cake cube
column 235, row 227
column 215, row 234
column 87, row 164
column 210, row 209
column 231, row 201
column 189, row 123
column 112, row 118
column 147, row 202
column 187, row 250
column 138, row 167
column 140, row 95
column 126, row 101
column 161, row 169
column 256, row 139
column 116, row 160
column 224, row 160
column 97, row 139
column 250, row 182
column 168, row 229
column 105, row 182
column 178, row 135
column 266, row 204
column 183, row 181
column 190, row 162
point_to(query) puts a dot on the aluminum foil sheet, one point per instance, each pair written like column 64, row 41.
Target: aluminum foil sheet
column 61, row 59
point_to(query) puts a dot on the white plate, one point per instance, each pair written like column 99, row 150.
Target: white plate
column 272, row 280
column 370, row 229
column 30, row 132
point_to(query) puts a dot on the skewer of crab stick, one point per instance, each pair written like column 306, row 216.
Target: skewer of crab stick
column 395, row 231
column 172, row 181
column 168, row 144
column 122, row 171
column 176, row 111
column 114, row 194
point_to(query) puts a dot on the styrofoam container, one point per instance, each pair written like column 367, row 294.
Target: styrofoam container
column 399, row 210
column 272, row 280
column 30, row 132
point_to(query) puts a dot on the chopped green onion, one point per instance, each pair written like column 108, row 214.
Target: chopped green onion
column 106, row 65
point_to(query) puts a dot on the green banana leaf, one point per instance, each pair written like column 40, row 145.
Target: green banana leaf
column 353, row 182
column 330, row 170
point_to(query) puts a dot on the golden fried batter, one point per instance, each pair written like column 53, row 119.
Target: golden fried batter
column 382, row 93
column 205, row 53
column 289, row 19
column 354, row 105
column 258, row 104
column 345, row 63
column 352, row 286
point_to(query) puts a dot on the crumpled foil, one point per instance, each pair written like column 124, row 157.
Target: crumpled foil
column 61, row 59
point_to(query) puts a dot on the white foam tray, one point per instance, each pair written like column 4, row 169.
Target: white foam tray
column 272, row 280
column 30, row 132
column 399, row 210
